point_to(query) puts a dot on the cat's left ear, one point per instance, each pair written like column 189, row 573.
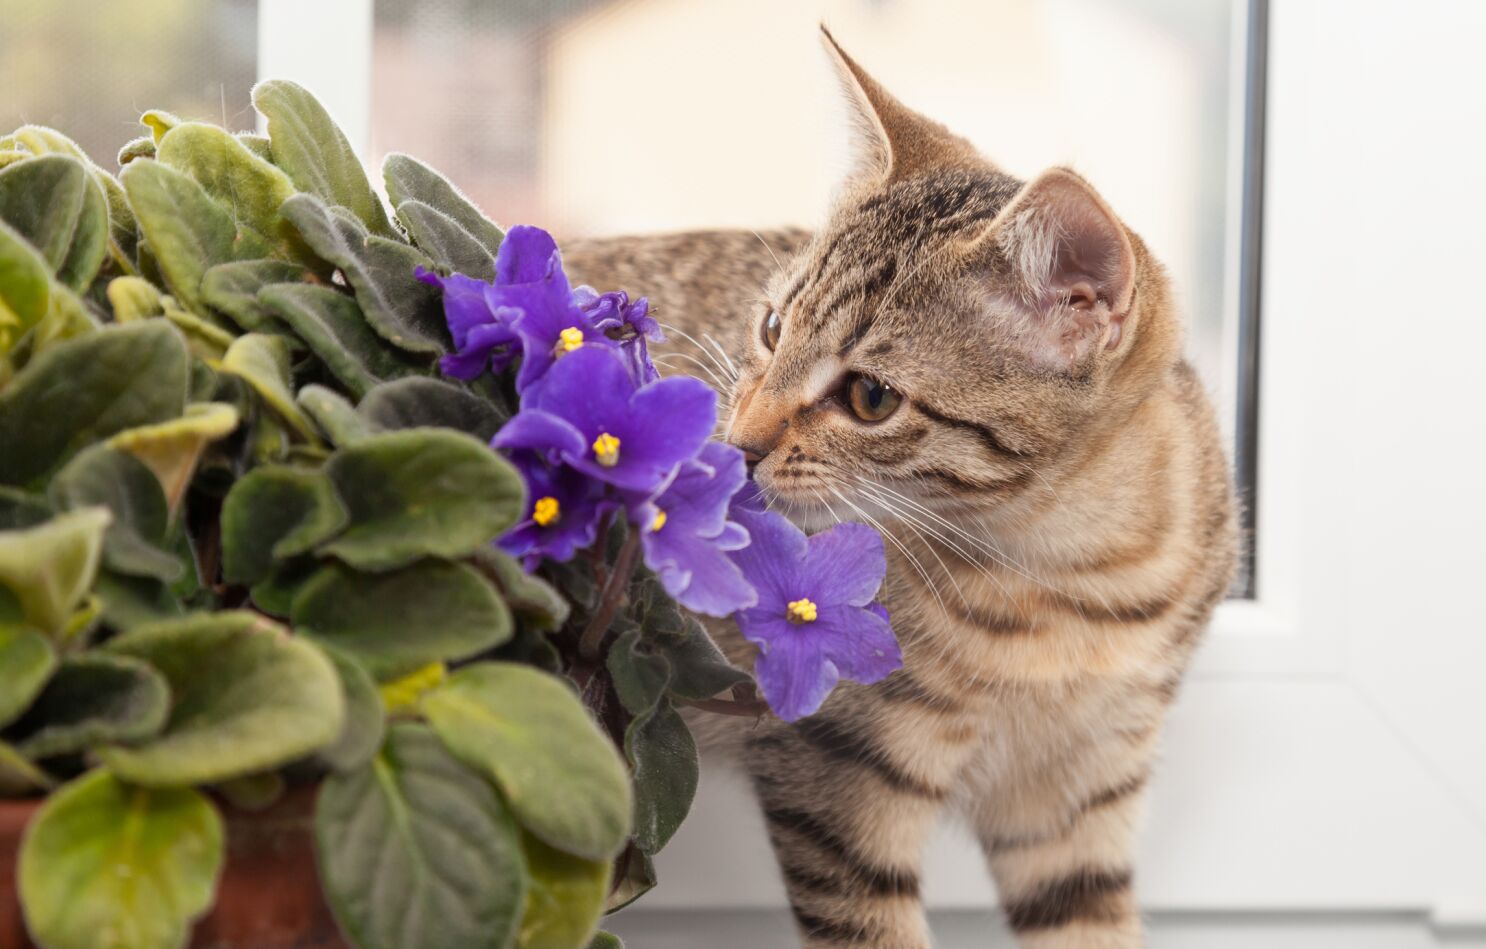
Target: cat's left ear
column 1065, row 261
column 890, row 140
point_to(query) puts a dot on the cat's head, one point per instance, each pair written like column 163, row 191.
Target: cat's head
column 950, row 333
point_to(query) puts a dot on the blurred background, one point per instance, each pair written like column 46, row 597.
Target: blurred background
column 1310, row 168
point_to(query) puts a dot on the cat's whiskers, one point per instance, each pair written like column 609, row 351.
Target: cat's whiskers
column 779, row 266
column 723, row 353
column 890, row 536
column 724, row 368
column 717, row 382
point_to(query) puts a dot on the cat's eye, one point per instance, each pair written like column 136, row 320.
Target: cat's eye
column 870, row 400
column 771, row 330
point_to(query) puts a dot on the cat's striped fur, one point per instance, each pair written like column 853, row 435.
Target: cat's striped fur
column 1058, row 499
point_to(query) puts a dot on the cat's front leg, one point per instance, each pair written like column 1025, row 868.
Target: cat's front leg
column 849, row 796
column 1060, row 840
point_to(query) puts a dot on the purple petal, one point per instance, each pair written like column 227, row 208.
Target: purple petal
column 859, row 641
column 535, row 430
column 589, row 387
column 527, row 254
column 794, row 677
column 846, row 564
column 773, row 559
column 672, row 419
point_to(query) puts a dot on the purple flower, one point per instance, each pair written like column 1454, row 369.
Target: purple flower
column 815, row 622
column 686, row 534
column 564, row 506
column 484, row 337
column 596, row 419
column 628, row 324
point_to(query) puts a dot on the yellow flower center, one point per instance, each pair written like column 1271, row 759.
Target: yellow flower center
column 606, row 450
column 659, row 522
column 801, row 611
column 572, row 338
column 545, row 511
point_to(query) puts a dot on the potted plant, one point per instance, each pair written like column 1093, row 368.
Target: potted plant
column 289, row 654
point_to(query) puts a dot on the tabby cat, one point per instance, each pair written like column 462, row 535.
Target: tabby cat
column 991, row 370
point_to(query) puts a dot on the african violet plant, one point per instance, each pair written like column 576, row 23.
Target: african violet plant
column 293, row 492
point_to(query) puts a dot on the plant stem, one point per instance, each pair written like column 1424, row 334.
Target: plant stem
column 614, row 590
column 749, row 709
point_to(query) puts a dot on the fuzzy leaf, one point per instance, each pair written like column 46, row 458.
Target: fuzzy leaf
column 107, row 864
column 529, row 596
column 409, row 179
column 25, row 287
column 188, row 232
column 565, row 899
column 640, row 677
column 134, row 601
column 403, row 310
column 365, row 725
column 134, row 298
column 56, row 204
column 172, row 448
column 421, row 492
column 103, row 477
column 528, row 731
column 393, row 623
column 273, row 513
column 336, row 417
column 334, row 328
column 92, row 698
column 246, row 697
column 50, row 568
column 233, row 289
column 27, row 661
column 250, row 189
column 421, row 402
column 699, row 670
column 117, row 378
column 439, row 236
column 663, row 756
column 308, row 145
column 417, row 851
column 262, row 361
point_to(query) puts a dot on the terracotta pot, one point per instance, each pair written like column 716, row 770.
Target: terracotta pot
column 269, row 895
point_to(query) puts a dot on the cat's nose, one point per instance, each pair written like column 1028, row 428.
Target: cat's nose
column 752, row 455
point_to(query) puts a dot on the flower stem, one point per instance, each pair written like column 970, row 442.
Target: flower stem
column 614, row 590
column 751, row 709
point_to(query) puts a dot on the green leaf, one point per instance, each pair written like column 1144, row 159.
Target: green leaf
column 246, row 697
column 336, row 417
column 262, row 361
column 117, row 378
column 308, row 145
column 134, row 298
column 25, row 282
column 402, row 309
column 605, row 940
column 188, row 232
column 529, row 596
column 247, row 187
column 416, row 851
column 50, row 568
column 159, row 122
column 134, row 601
column 636, row 877
column 409, row 179
column 663, row 754
column 257, row 144
column 106, row 864
column 254, row 792
column 19, row 777
column 440, row 237
column 26, row 663
column 103, row 477
column 172, row 448
column 56, row 204
column 142, row 147
column 699, row 670
column 431, row 611
column 565, row 899
column 19, row 509
column 560, row 774
column 92, row 699
column 333, row 327
column 640, row 677
column 204, row 338
column 233, row 289
column 276, row 593
column 422, row 402
column 273, row 513
column 366, row 722
column 421, row 492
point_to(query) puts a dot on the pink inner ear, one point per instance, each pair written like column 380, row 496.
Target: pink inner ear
column 1076, row 266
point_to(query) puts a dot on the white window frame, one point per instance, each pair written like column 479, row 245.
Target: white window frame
column 1303, row 771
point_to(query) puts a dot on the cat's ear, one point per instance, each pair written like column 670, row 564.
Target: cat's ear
column 1065, row 261
column 891, row 140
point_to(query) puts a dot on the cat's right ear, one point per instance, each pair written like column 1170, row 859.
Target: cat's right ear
column 890, row 140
